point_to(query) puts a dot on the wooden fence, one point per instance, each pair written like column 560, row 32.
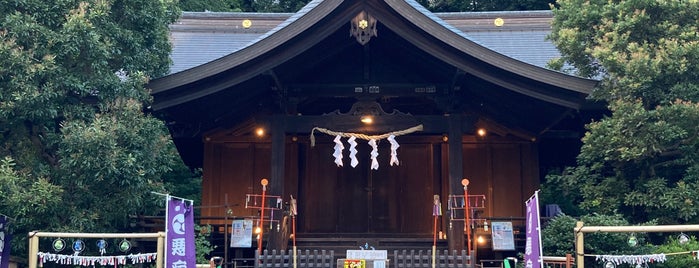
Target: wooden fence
column 304, row 259
column 423, row 259
column 326, row 259
column 559, row 262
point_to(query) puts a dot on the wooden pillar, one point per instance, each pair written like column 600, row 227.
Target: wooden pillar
column 579, row 245
column 160, row 253
column 33, row 249
column 276, row 182
column 456, row 172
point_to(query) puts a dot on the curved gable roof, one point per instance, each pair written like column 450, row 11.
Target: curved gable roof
column 414, row 23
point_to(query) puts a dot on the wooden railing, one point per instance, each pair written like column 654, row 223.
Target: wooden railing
column 559, row 262
column 400, row 259
column 304, row 259
column 423, row 259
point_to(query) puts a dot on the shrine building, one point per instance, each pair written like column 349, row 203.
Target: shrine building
column 451, row 96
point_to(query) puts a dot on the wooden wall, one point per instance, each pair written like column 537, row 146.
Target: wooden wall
column 392, row 199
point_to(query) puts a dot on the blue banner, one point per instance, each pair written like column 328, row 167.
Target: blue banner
column 179, row 247
column 532, row 250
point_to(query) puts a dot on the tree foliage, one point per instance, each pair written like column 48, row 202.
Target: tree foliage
column 487, row 5
column 558, row 234
column 79, row 153
column 642, row 160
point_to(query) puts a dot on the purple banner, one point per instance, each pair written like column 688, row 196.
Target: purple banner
column 179, row 247
column 4, row 243
column 532, row 250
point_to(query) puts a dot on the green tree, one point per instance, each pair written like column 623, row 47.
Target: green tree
column 487, row 5
column 265, row 6
column 79, row 154
column 642, row 159
column 211, row 5
column 278, row 5
column 558, row 237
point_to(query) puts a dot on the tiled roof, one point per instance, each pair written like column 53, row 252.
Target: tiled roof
column 200, row 37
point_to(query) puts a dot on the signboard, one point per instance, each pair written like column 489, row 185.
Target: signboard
column 241, row 236
column 376, row 258
column 503, row 237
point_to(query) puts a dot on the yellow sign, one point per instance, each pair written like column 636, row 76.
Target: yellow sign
column 355, row 264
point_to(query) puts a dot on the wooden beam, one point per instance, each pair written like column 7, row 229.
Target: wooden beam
column 432, row 124
column 362, row 89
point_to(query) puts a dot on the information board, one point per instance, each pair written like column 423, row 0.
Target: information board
column 503, row 237
column 241, row 236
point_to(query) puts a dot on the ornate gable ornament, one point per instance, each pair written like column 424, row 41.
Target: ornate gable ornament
column 363, row 27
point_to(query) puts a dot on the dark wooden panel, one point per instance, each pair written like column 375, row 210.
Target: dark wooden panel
column 262, row 159
column 417, row 188
column 400, row 196
column 402, row 201
column 233, row 170
column 317, row 207
column 476, row 167
column 530, row 171
column 232, row 177
column 210, row 179
column 352, row 192
column 507, row 180
column 291, row 183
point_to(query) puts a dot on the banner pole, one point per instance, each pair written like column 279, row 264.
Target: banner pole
column 167, row 218
column 261, row 224
column 436, row 212
column 467, row 214
column 434, row 243
column 293, row 230
column 293, row 212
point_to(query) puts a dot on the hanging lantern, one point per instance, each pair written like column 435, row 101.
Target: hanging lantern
column 633, row 241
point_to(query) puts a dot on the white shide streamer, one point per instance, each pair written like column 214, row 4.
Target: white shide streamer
column 374, row 154
column 338, row 150
column 353, row 151
column 394, row 147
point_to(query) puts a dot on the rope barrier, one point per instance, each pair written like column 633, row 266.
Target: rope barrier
column 363, row 136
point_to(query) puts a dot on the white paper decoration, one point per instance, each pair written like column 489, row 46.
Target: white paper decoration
column 353, row 151
column 374, row 154
column 394, row 147
column 338, row 150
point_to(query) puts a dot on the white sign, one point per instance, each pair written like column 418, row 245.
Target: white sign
column 503, row 237
column 367, row 254
column 241, row 236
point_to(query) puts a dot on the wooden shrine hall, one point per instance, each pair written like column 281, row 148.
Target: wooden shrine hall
column 277, row 106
